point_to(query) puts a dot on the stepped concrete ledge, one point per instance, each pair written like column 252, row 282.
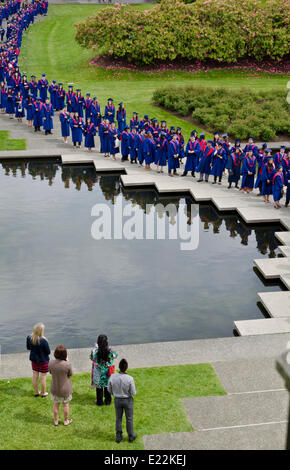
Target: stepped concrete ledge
column 262, row 327
column 164, row 354
column 285, row 250
column 273, row 268
column 277, row 304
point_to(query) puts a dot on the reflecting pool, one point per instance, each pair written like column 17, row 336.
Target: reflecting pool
column 138, row 291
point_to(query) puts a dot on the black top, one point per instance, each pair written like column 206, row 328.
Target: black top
column 39, row 352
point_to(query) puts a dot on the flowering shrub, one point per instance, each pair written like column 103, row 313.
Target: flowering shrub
column 241, row 113
column 222, row 30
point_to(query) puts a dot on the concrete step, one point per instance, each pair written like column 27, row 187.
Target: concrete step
column 277, row 304
column 266, row 326
column 237, row 409
column 272, row 268
column 261, row 437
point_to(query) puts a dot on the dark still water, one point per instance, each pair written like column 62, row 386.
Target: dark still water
column 52, row 270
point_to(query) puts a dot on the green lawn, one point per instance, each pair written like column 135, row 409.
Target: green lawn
column 11, row 144
column 27, row 422
column 49, row 47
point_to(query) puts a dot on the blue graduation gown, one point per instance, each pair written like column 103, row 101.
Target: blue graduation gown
column 125, row 143
column 205, row 161
column 60, row 97
column 278, row 182
column 140, row 146
column 278, row 158
column 53, row 91
column 70, row 101
column 173, row 155
column 234, row 167
column 192, row 154
column 149, row 149
column 89, row 132
column 121, row 118
column 96, row 114
column 47, row 115
column 42, row 87
column 10, row 107
column 110, row 112
column 248, row 166
column 113, row 134
column 19, row 108
column 161, row 153
column 267, row 175
column 88, row 108
column 76, row 129
column 65, row 124
column 287, row 183
column 104, row 137
column 219, row 161
column 133, row 140
column 29, row 109
column 37, row 114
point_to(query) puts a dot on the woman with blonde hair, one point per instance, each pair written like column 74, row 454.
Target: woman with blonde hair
column 38, row 346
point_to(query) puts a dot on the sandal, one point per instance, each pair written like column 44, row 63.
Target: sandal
column 44, row 395
column 67, row 422
column 56, row 423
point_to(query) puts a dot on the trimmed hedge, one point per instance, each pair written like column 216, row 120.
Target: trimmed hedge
column 241, row 113
column 221, row 30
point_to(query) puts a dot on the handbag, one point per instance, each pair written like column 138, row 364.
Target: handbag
column 117, row 143
column 111, row 370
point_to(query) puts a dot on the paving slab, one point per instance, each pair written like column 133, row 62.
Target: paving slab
column 237, row 409
column 285, row 250
column 283, row 237
column 247, row 375
column 164, row 354
column 273, row 268
column 230, row 204
column 262, row 437
column 285, row 278
column 262, row 327
column 253, row 215
column 77, row 158
column 277, row 304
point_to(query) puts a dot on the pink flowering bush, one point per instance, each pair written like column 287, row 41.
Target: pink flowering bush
column 241, row 113
column 221, row 30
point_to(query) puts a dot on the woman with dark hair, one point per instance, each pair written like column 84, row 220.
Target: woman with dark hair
column 61, row 387
column 102, row 357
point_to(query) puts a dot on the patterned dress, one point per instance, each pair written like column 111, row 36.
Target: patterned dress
column 100, row 370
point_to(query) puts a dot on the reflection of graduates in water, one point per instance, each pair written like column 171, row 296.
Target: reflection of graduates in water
column 209, row 216
column 45, row 170
column 231, row 223
column 13, row 166
column 110, row 186
column 79, row 175
column 266, row 241
column 244, row 233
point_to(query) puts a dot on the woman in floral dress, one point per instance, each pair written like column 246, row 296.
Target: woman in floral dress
column 102, row 357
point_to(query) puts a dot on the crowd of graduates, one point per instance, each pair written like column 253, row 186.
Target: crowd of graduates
column 144, row 141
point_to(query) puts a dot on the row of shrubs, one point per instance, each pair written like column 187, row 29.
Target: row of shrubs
column 241, row 113
column 220, row 30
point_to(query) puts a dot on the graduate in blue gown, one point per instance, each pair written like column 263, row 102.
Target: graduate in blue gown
column 110, row 110
column 19, row 107
column 192, row 152
column 43, row 87
column 140, row 146
column 234, row 166
column 149, row 150
column 76, row 125
column 78, row 103
column 287, row 184
column 70, row 99
column 125, row 143
column 173, row 155
column 286, row 162
column 47, row 116
column 121, row 117
column 64, row 118
column 53, row 93
column 29, row 109
column 89, row 131
column 279, row 156
column 88, row 106
column 278, row 183
column 3, row 97
column 219, row 161
column 60, row 97
column 114, row 142
column 134, row 122
column 96, row 112
column 262, row 159
column 104, row 136
column 33, row 86
column 25, row 87
column 248, row 172
column 133, row 142
column 37, row 114
column 10, row 107
column 268, row 172
column 205, row 161
column 251, row 146
column 161, row 153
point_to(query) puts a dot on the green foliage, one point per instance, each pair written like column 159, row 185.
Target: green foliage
column 222, row 30
column 240, row 113
column 27, row 422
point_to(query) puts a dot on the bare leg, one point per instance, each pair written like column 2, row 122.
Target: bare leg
column 35, row 376
column 43, row 383
column 66, row 420
column 55, row 412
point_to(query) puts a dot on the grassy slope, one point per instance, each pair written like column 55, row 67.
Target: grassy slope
column 11, row 144
column 27, row 422
column 49, row 47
